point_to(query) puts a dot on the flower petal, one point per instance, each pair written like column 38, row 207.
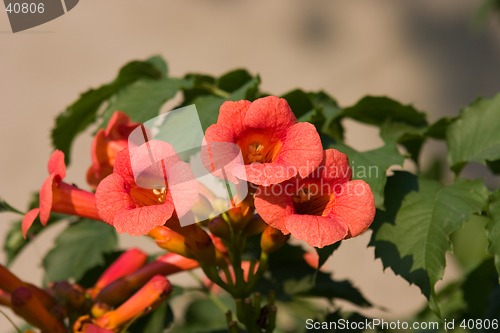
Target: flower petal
column 270, row 112
column 334, row 167
column 354, row 206
column 265, row 173
column 182, row 186
column 119, row 126
column 232, row 116
column 28, row 220
column 301, row 149
column 141, row 220
column 56, row 164
column 274, row 207
column 317, row 231
column 150, row 163
column 45, row 198
column 112, row 197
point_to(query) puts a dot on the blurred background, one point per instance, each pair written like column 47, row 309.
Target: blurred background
column 436, row 55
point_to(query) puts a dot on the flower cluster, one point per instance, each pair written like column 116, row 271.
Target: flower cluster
column 127, row 289
column 295, row 188
column 302, row 190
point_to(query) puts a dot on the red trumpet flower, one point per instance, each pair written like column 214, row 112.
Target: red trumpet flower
column 273, row 145
column 139, row 196
column 58, row 196
column 321, row 209
column 106, row 145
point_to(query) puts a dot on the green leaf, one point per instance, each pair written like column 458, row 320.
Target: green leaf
column 290, row 276
column 208, row 109
column 299, row 101
column 82, row 113
column 479, row 289
column 233, row 80
column 371, row 166
column 414, row 243
column 14, row 241
column 331, row 289
column 470, row 243
column 438, row 129
column 206, row 95
column 159, row 63
column 325, row 253
column 79, row 248
column 377, row 110
column 409, row 136
column 493, row 228
column 202, row 315
column 157, row 321
column 248, row 91
column 143, row 99
column 474, row 137
column 6, row 207
column 332, row 114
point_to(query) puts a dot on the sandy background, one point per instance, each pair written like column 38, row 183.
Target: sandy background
column 423, row 52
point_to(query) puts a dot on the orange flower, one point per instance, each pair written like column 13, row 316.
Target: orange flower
column 106, row 144
column 133, row 208
column 58, row 196
column 274, row 146
column 321, row 209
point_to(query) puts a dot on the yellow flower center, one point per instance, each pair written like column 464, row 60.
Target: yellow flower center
column 148, row 197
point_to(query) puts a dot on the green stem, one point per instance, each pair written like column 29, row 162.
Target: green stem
column 215, row 90
column 254, row 278
column 11, row 321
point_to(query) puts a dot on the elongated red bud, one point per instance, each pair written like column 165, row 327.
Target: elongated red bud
column 47, row 300
column 70, row 295
column 119, row 290
column 152, row 291
column 127, row 263
column 8, row 281
column 27, row 306
column 171, row 241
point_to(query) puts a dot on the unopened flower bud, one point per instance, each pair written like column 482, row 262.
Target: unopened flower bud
column 71, row 295
column 127, row 263
column 8, row 281
column 171, row 241
column 121, row 289
column 149, row 294
column 21, row 296
column 218, row 227
column 255, row 227
column 200, row 244
column 27, row 306
column 272, row 239
column 241, row 214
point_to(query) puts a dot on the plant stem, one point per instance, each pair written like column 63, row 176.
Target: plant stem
column 11, row 321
